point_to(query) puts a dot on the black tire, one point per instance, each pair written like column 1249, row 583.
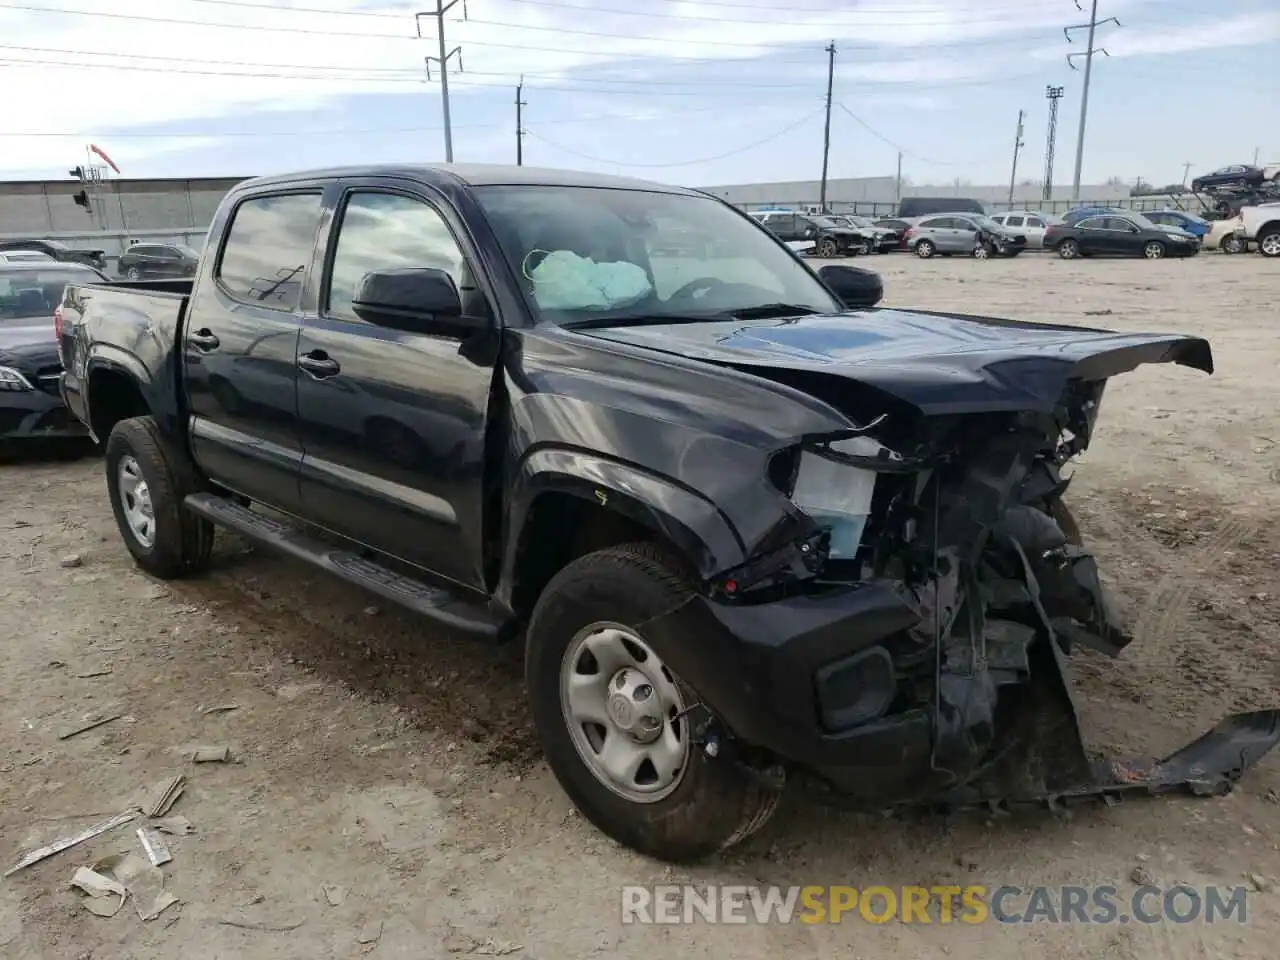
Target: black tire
column 182, row 542
column 716, row 803
column 133, row 274
column 1232, row 243
column 1154, row 250
column 925, row 249
column 827, row 247
column 1269, row 243
column 1068, row 249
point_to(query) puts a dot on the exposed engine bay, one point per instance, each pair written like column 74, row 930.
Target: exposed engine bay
column 962, row 696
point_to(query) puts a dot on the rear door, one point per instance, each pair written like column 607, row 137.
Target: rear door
column 241, row 344
column 393, row 422
column 1034, row 228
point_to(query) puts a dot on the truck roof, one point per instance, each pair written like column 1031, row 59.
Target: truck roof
column 470, row 174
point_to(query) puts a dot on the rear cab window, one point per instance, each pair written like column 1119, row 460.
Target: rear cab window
column 268, row 246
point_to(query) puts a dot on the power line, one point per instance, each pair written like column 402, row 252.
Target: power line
column 901, row 149
column 680, row 163
column 1091, row 26
column 358, row 35
column 338, row 132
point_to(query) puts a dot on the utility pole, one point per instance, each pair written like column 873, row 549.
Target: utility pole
column 1186, row 172
column 1017, row 146
column 826, row 132
column 1091, row 26
column 1053, row 95
column 519, row 125
column 1255, row 155
column 443, row 60
column 898, row 197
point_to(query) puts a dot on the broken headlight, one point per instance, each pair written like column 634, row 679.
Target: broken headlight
column 13, row 380
column 834, row 485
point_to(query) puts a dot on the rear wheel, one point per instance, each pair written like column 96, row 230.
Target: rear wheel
column 133, row 273
column 148, row 478
column 828, row 247
column 1232, row 243
column 1269, row 243
column 611, row 714
column 1154, row 250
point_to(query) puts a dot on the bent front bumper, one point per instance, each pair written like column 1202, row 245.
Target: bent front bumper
column 813, row 681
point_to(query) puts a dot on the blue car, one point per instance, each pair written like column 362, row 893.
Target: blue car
column 1177, row 218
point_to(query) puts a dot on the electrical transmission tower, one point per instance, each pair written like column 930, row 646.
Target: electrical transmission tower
column 1053, row 95
column 443, row 60
column 1092, row 27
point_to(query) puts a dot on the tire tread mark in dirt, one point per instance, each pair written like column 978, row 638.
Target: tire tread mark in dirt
column 1168, row 601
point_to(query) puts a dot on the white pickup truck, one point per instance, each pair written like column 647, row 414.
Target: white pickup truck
column 1261, row 225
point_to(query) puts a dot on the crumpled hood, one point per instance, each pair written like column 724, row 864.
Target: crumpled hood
column 939, row 363
column 28, row 342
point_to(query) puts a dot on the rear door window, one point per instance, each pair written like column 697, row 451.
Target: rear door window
column 1011, row 221
column 269, row 245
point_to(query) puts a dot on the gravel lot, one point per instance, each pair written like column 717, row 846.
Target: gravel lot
column 370, row 755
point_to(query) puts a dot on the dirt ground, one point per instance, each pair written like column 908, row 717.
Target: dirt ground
column 371, row 755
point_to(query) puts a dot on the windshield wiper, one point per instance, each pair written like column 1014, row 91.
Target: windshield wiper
column 766, row 311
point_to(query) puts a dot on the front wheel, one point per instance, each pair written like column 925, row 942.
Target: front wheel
column 925, row 249
column 1232, row 243
column 1269, row 244
column 1154, row 250
column 828, row 248
column 148, row 478
column 133, row 273
column 614, row 718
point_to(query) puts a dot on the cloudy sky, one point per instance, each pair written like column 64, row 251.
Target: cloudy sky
column 711, row 92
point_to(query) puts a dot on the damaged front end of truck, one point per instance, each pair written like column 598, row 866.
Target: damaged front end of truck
column 900, row 637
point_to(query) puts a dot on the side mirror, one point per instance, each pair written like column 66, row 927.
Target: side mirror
column 854, row 287
column 414, row 298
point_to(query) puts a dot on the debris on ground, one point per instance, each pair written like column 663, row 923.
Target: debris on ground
column 71, row 561
column 371, row 932
column 106, row 896
column 174, row 826
column 219, row 708
column 218, row 754
column 91, row 723
column 265, row 926
column 154, row 847
column 1260, row 883
column 333, row 894
column 1142, row 876
column 90, row 674
column 164, row 795
column 66, row 843
column 140, row 881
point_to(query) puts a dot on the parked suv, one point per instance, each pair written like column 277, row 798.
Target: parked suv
column 969, row 234
column 1025, row 223
column 158, row 261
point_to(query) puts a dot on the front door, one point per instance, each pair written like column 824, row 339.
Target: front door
column 393, row 422
column 240, row 349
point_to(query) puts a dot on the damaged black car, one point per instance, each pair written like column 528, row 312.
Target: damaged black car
column 752, row 529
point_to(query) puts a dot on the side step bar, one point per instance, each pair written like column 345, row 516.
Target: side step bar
column 434, row 602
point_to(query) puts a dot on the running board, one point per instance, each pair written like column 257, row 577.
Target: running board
column 439, row 604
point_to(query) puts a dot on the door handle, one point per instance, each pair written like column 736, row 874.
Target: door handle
column 319, row 364
column 204, row 339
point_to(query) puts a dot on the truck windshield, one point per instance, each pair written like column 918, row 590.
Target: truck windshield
column 34, row 292
column 589, row 253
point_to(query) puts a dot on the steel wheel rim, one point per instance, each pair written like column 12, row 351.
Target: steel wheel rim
column 135, row 501
column 624, row 713
column 1271, row 245
column 1153, row 251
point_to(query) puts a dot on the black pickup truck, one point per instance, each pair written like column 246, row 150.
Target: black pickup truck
column 752, row 529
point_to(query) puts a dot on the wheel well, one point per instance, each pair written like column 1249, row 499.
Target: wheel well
column 1271, row 226
column 561, row 527
column 114, row 396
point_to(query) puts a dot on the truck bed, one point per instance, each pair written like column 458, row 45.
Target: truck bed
column 131, row 327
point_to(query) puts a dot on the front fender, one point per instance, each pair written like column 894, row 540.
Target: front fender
column 690, row 522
